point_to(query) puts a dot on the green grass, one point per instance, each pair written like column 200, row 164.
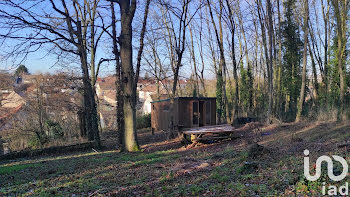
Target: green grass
column 15, row 168
column 158, row 173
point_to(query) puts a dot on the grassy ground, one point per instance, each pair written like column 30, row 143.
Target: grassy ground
column 167, row 168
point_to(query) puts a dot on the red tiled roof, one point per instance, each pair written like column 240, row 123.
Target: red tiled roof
column 107, row 83
column 4, row 116
column 30, row 89
column 146, row 81
column 149, row 88
column 181, row 81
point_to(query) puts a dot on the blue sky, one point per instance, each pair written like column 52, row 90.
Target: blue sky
column 39, row 62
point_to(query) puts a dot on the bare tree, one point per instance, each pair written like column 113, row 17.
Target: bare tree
column 221, row 73
column 118, row 84
column 201, row 51
column 268, row 53
column 129, row 77
column 303, row 83
column 269, row 66
column 232, row 28
column 63, row 27
column 176, row 34
column 341, row 9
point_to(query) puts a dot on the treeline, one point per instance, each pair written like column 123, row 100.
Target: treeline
column 271, row 59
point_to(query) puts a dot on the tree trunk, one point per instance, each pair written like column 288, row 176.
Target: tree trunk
column 314, row 73
column 118, row 84
column 221, row 74
column 193, row 55
column 341, row 13
column 234, row 62
column 279, row 65
column 129, row 94
column 326, row 44
column 269, row 68
column 201, row 54
column 268, row 54
column 249, row 69
column 90, row 104
column 303, row 82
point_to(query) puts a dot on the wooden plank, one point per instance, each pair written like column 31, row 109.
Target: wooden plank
column 210, row 129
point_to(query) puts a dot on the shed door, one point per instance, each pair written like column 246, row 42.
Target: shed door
column 195, row 114
column 207, row 113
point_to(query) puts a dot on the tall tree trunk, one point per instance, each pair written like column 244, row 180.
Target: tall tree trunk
column 89, row 95
column 196, row 88
column 129, row 95
column 326, row 44
column 303, row 82
column 270, row 66
column 314, row 73
column 234, row 62
column 268, row 53
column 224, row 66
column 341, row 14
column 279, row 65
column 201, row 54
column 118, row 84
column 221, row 74
column 249, row 66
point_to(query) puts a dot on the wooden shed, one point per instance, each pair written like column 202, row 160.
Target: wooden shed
column 188, row 112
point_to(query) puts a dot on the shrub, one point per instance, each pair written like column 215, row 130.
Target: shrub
column 54, row 129
column 143, row 121
column 36, row 142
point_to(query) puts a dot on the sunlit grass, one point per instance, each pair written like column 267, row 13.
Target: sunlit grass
column 158, row 173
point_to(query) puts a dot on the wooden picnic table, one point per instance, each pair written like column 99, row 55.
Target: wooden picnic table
column 215, row 132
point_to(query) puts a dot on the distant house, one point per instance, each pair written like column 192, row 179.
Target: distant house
column 110, row 97
column 150, row 90
column 10, row 116
column 147, row 91
column 26, row 78
column 105, row 90
column 13, row 100
column 105, row 84
column 145, row 98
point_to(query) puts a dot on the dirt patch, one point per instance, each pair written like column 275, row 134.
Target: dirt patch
column 190, row 165
column 250, row 126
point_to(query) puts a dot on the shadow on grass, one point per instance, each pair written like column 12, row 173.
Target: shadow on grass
column 152, row 173
column 64, row 173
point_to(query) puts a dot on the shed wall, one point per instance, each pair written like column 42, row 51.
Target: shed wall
column 183, row 113
column 160, row 115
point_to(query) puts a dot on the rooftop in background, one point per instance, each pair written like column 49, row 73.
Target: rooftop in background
column 186, row 98
column 107, row 83
column 12, row 100
column 143, row 84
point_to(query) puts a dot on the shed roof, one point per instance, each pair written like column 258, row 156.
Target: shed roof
column 186, row 98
